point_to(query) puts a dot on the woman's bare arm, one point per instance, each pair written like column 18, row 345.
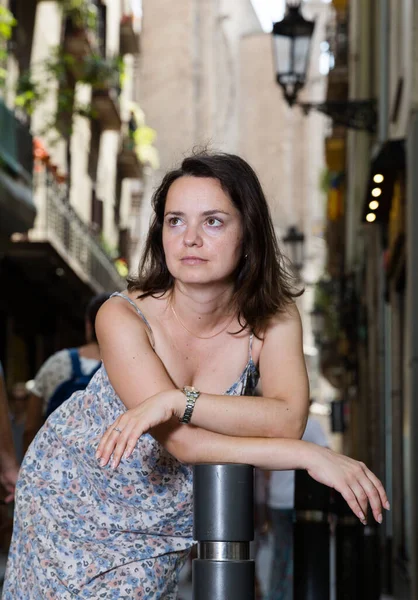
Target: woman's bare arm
column 140, row 380
column 137, row 373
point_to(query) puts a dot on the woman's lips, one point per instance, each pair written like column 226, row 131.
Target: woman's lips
column 193, row 260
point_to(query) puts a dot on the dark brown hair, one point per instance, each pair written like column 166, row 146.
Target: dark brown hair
column 264, row 285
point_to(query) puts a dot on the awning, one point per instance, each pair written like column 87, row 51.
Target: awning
column 17, row 209
column 387, row 166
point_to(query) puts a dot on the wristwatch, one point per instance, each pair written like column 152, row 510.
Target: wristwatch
column 192, row 394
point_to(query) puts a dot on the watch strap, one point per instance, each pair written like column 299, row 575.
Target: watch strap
column 191, row 397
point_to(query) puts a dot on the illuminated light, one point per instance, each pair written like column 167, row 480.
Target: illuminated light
column 373, row 205
column 378, row 178
column 370, row 217
column 376, row 192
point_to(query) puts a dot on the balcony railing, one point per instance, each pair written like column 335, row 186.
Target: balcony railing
column 58, row 224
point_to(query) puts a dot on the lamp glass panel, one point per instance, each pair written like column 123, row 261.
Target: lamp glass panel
column 301, row 56
column 282, row 54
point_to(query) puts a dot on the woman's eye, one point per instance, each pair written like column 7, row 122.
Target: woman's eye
column 173, row 221
column 214, row 222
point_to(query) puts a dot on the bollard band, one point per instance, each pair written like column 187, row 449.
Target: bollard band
column 223, row 550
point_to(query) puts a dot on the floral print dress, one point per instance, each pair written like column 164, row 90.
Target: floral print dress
column 83, row 531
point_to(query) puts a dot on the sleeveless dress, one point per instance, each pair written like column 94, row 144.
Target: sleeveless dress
column 85, row 531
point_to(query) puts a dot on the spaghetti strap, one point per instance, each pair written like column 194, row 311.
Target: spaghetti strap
column 140, row 313
column 250, row 349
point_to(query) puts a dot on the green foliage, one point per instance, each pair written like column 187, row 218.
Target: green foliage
column 34, row 86
column 28, row 93
column 82, row 13
column 7, row 22
column 102, row 72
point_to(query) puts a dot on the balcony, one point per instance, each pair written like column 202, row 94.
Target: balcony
column 129, row 165
column 105, row 108
column 17, row 208
column 62, row 241
column 103, row 74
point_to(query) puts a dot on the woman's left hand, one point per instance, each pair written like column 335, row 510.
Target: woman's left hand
column 121, row 437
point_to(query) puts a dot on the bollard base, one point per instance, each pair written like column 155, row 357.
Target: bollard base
column 223, row 580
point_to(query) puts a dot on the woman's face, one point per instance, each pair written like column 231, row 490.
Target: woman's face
column 202, row 231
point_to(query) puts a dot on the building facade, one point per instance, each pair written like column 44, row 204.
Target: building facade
column 372, row 211
column 75, row 152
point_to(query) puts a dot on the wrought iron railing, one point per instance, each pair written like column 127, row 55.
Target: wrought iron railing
column 58, row 224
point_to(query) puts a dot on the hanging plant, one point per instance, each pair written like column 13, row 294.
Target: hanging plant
column 101, row 73
column 81, row 14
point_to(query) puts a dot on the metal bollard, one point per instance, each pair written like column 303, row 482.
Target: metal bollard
column 311, row 539
column 223, row 498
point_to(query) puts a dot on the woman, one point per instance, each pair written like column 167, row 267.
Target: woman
column 211, row 308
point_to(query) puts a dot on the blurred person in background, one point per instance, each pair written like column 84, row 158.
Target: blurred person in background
column 281, row 500
column 18, row 401
column 62, row 374
column 104, row 496
column 9, row 467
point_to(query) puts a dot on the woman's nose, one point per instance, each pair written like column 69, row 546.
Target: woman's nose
column 192, row 236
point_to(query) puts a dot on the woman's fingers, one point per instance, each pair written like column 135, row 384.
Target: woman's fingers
column 368, row 489
column 105, row 439
column 373, row 497
column 351, row 499
column 378, row 485
column 362, row 499
column 125, row 443
column 108, row 443
column 119, row 440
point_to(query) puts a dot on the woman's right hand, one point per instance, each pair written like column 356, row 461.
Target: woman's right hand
column 355, row 482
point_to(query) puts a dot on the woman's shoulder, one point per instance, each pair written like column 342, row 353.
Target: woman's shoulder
column 286, row 316
column 284, row 323
column 131, row 300
column 126, row 312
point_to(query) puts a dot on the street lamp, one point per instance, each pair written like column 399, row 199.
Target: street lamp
column 294, row 241
column 291, row 43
